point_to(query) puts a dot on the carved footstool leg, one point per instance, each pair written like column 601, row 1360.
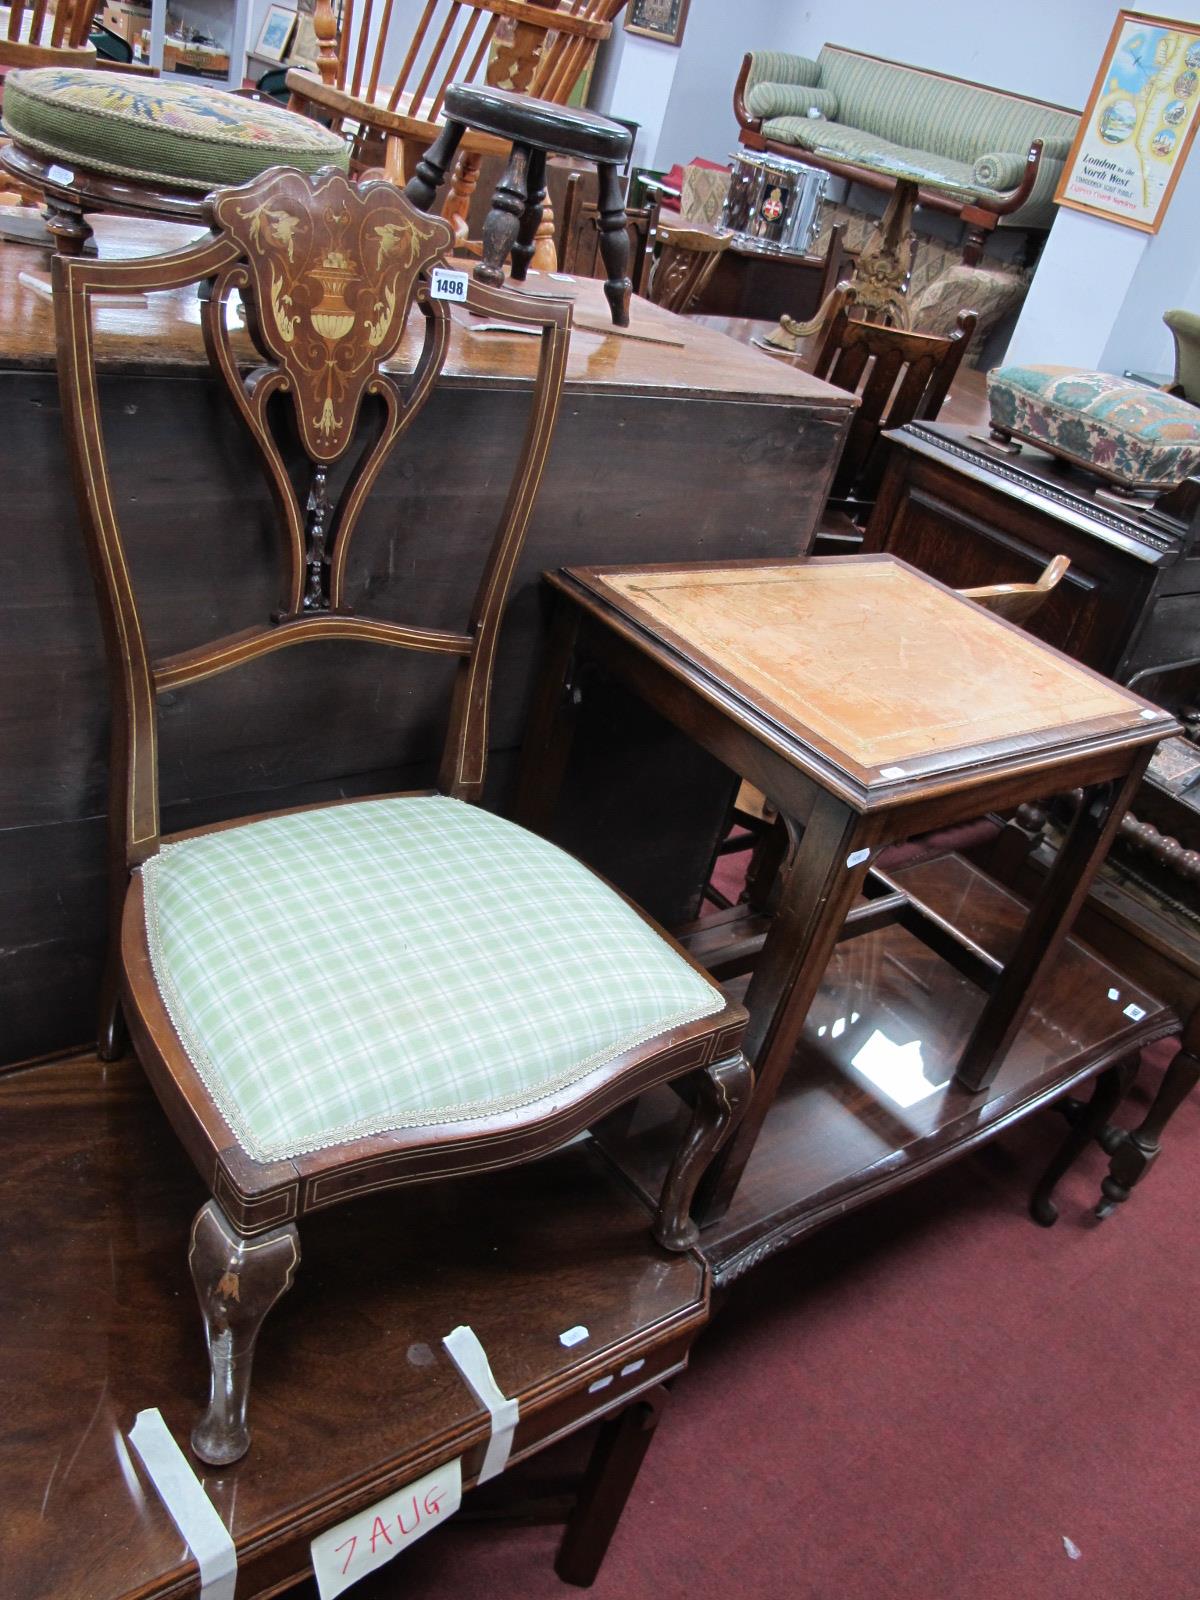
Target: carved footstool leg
column 1111, row 1087
column 722, row 1095
column 503, row 221
column 531, row 217
column 1133, row 1154
column 614, row 244
column 430, row 172
column 237, row 1281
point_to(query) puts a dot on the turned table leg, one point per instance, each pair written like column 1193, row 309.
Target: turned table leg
column 237, row 1281
column 611, row 1472
column 722, row 1095
column 1134, row 1153
column 1110, row 1089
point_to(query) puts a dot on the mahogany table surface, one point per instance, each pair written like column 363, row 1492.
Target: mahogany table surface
column 873, row 679
column 870, row 1102
column 354, row 1394
column 161, row 333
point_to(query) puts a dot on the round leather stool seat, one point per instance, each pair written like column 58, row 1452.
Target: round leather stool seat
column 563, row 130
column 175, row 132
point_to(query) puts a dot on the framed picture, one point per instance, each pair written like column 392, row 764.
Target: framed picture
column 657, row 19
column 1139, row 123
column 276, row 33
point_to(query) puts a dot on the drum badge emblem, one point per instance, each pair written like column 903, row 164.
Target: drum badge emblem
column 772, row 206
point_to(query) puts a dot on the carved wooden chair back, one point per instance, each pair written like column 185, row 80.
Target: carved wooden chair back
column 1019, row 601
column 35, row 36
column 578, row 242
column 687, row 258
column 328, row 272
column 899, row 377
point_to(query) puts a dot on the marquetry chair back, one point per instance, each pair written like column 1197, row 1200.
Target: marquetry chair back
column 1019, row 601
column 578, row 242
column 688, row 253
column 328, row 272
column 898, row 376
column 31, row 35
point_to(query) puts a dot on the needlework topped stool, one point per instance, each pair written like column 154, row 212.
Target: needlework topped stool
column 1141, row 439
column 535, row 129
column 114, row 141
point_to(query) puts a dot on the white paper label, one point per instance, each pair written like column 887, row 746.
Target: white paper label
column 1135, row 1013
column 857, row 857
column 575, row 1335
column 891, row 772
column 362, row 1543
column 447, row 284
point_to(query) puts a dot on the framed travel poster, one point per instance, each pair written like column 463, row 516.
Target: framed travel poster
column 1139, row 123
column 657, row 19
column 276, row 33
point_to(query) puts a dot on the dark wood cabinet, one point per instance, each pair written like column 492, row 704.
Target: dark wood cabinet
column 1130, row 604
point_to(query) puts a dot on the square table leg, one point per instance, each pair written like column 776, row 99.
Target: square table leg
column 824, row 881
column 1048, row 923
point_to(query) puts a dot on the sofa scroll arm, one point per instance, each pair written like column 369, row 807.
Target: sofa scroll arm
column 981, row 219
column 745, row 120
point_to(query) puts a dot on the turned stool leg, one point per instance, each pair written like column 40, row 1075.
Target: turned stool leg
column 503, row 221
column 1110, row 1089
column 67, row 223
column 614, row 245
column 430, row 172
column 722, row 1095
column 237, row 1281
column 531, row 217
column 1133, row 1153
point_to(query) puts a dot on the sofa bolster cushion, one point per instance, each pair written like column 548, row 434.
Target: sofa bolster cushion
column 792, row 100
column 778, row 66
column 999, row 169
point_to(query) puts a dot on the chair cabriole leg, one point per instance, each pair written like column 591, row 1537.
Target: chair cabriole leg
column 237, row 1281
column 722, row 1095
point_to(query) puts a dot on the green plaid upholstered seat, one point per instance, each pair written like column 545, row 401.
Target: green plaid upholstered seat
column 173, row 131
column 397, row 963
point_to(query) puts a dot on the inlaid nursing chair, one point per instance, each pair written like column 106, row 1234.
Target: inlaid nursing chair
column 338, row 998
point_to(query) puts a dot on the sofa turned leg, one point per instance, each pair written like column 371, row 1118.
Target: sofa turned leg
column 722, row 1095
column 237, row 1281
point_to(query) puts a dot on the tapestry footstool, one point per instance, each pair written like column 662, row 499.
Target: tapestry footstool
column 1143, row 440
column 116, row 141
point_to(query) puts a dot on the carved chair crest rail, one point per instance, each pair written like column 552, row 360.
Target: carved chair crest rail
column 339, row 998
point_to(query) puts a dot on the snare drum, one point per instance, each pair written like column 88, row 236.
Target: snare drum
column 774, row 203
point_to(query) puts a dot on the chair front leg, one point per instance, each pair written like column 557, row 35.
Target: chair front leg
column 722, row 1095
column 237, row 1281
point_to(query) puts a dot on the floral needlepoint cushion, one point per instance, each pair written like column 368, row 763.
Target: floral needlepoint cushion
column 177, row 132
column 1137, row 437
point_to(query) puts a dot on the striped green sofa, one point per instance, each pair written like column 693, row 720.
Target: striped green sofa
column 878, row 122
